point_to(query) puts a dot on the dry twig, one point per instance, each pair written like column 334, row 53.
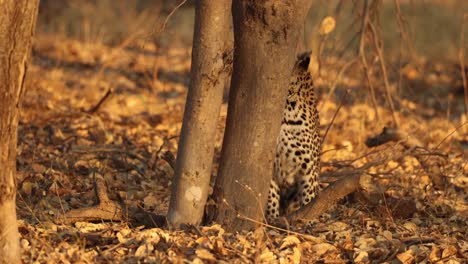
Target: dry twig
column 343, row 99
column 384, row 72
column 101, row 101
column 362, row 55
column 340, row 74
column 461, row 57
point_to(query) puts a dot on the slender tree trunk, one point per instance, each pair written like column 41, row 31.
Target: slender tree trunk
column 265, row 39
column 17, row 23
column 196, row 144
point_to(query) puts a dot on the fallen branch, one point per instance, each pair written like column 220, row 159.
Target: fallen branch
column 327, row 198
column 432, row 167
column 393, row 135
column 106, row 209
column 107, row 149
column 350, row 180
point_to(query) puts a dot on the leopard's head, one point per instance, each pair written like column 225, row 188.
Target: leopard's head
column 302, row 63
column 301, row 80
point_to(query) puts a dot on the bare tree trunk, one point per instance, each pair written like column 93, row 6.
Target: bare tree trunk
column 265, row 39
column 196, row 144
column 17, row 23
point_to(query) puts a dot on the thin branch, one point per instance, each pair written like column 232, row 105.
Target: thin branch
column 338, row 77
column 384, row 73
column 163, row 27
column 461, row 57
column 343, row 99
column 449, row 134
column 166, row 20
column 101, row 101
column 402, row 25
column 362, row 55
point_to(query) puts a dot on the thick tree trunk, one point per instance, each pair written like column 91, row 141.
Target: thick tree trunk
column 265, row 39
column 196, row 144
column 17, row 23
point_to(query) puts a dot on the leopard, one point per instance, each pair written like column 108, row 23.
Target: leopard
column 296, row 168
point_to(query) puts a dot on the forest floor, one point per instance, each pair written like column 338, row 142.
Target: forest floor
column 62, row 147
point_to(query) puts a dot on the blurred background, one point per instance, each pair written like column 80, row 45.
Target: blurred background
column 433, row 26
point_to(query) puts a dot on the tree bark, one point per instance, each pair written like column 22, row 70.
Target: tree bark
column 196, row 144
column 17, row 23
column 265, row 39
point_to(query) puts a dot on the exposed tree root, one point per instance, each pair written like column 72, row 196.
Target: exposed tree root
column 350, row 182
column 327, row 198
column 108, row 210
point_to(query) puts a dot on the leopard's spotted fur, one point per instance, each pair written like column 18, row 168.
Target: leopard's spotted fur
column 297, row 162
